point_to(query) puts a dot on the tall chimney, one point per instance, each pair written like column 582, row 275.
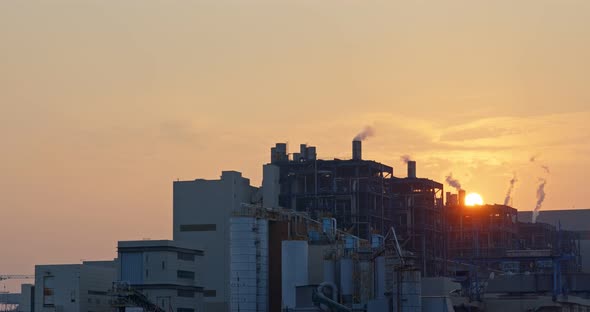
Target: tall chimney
column 412, row 169
column 461, row 197
column 357, row 150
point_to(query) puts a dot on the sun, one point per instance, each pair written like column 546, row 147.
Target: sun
column 473, row 199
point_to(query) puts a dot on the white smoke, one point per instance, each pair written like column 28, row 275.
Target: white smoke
column 367, row 132
column 540, row 198
column 406, row 158
column 510, row 190
column 453, row 182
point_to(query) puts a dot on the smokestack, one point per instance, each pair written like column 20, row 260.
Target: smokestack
column 357, row 150
column 461, row 197
column 411, row 169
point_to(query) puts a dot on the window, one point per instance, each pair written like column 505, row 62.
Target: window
column 185, row 274
column 186, row 256
column 185, row 310
column 198, row 227
column 147, row 273
column 163, row 265
column 186, row 293
column 209, row 293
column 48, row 291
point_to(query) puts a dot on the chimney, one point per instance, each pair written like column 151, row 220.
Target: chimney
column 357, row 150
column 411, row 169
column 461, row 197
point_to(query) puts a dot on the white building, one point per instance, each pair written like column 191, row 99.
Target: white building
column 166, row 272
column 74, row 287
column 203, row 212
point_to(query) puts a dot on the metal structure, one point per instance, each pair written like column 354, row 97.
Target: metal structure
column 123, row 295
column 15, row 276
column 419, row 220
column 355, row 192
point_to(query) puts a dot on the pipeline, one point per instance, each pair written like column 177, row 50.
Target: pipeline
column 319, row 298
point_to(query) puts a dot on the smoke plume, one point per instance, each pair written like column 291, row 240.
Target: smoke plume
column 533, row 158
column 540, row 198
column 453, row 182
column 510, row 190
column 367, row 132
column 546, row 168
column 406, row 158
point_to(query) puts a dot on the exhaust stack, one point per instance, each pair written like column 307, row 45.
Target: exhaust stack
column 357, row 150
column 412, row 169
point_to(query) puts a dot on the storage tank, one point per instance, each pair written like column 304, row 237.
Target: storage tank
column 243, row 274
column 346, row 285
column 294, row 257
column 329, row 271
column 262, row 266
column 380, row 277
column 407, row 291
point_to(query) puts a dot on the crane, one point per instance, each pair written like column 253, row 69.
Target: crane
column 15, row 276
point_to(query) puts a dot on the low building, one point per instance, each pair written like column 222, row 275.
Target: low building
column 27, row 298
column 163, row 273
column 74, row 287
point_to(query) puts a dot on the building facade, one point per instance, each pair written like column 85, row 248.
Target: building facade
column 74, row 287
column 167, row 273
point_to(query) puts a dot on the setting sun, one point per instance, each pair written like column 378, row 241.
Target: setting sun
column 473, row 199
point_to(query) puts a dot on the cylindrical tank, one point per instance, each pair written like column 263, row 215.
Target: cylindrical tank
column 296, row 157
column 380, row 277
column 367, row 284
column 346, row 285
column 412, row 169
column 294, row 256
column 262, row 265
column 243, row 274
column 461, row 197
column 329, row 226
column 357, row 150
column 407, row 291
column 350, row 242
column 329, row 271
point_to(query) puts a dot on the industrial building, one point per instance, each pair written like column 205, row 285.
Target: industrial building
column 74, row 287
column 332, row 235
column 159, row 275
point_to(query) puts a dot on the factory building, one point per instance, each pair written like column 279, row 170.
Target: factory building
column 159, row 274
column 418, row 212
column 356, row 192
column 572, row 220
column 74, row 287
column 201, row 218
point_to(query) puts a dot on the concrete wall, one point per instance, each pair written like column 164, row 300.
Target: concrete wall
column 202, row 209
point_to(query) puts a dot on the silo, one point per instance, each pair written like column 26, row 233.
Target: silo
column 262, row 265
column 329, row 271
column 407, row 290
column 243, row 240
column 380, row 277
column 346, row 285
column 294, row 257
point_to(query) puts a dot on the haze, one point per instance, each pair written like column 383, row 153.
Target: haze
column 104, row 103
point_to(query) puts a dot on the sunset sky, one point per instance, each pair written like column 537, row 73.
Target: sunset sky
column 104, row 103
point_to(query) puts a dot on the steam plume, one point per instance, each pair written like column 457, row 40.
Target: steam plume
column 406, row 158
column 510, row 189
column 453, row 182
column 367, row 132
column 540, row 198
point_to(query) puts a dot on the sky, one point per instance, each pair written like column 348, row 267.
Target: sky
column 104, row 103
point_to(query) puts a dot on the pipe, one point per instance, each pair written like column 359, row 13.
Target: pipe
column 319, row 298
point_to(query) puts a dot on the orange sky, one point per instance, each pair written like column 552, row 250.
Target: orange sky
column 104, row 103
